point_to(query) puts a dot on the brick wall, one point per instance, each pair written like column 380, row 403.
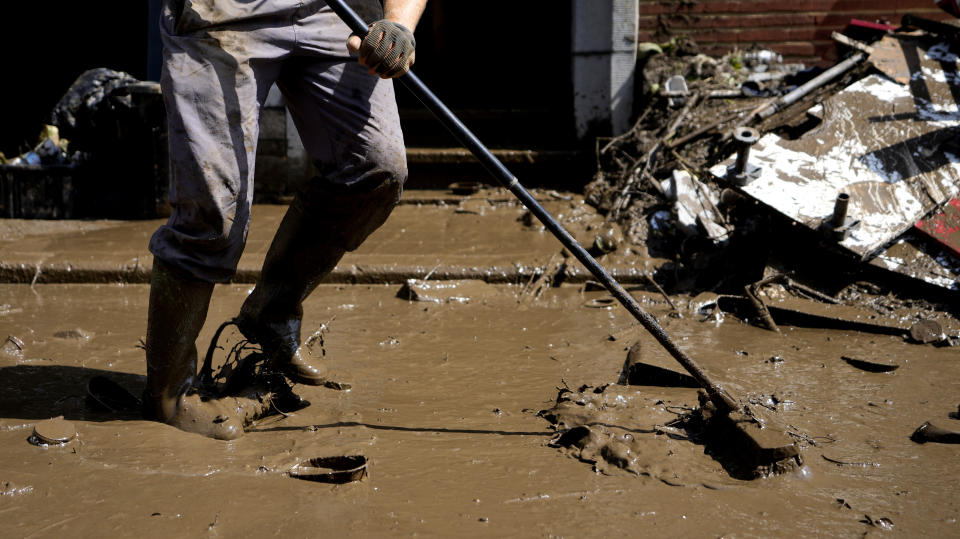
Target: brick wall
column 798, row 29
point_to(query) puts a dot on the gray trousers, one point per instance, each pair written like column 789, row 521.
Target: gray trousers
column 220, row 59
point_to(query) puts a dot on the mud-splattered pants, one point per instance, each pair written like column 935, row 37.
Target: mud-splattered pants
column 220, row 59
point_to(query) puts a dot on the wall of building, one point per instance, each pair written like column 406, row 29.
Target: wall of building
column 604, row 57
column 798, row 29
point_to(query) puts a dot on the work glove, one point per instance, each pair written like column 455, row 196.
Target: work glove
column 389, row 49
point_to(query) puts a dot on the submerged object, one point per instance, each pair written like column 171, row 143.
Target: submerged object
column 465, row 187
column 926, row 332
column 928, row 432
column 342, row 469
column 53, row 431
column 637, row 371
column 455, row 291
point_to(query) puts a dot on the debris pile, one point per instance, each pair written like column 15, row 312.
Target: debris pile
column 743, row 167
column 801, row 197
column 115, row 126
column 50, row 150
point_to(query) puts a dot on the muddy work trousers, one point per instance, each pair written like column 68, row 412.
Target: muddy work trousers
column 220, row 59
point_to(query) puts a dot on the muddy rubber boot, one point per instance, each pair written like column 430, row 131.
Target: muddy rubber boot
column 271, row 315
column 320, row 226
column 178, row 308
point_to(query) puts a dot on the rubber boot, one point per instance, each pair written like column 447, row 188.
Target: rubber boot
column 178, row 308
column 320, row 226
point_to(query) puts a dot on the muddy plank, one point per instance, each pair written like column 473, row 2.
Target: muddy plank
column 911, row 258
column 804, row 312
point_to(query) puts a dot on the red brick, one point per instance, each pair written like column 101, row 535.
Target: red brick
column 801, row 28
column 762, row 35
column 797, row 6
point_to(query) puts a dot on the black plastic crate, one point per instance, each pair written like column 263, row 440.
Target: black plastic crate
column 37, row 191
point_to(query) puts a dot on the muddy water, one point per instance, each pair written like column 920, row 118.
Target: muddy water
column 443, row 401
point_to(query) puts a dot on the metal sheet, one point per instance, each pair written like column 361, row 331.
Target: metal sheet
column 892, row 148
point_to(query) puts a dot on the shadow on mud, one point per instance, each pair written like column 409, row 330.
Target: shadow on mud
column 45, row 391
column 441, row 430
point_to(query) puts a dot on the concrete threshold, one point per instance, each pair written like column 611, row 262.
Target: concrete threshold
column 139, row 273
column 432, row 234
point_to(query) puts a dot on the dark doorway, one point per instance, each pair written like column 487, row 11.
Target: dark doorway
column 503, row 66
column 46, row 45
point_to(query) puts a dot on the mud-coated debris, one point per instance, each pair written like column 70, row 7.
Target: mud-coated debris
column 579, row 437
column 390, row 341
column 607, row 239
column 756, row 438
column 465, row 187
column 600, row 303
column 637, row 372
column 871, row 365
column 53, row 431
column 926, row 332
column 882, row 523
column 474, row 206
column 457, row 291
column 12, row 346
column 618, row 429
column 6, row 308
column 618, row 453
column 605, row 426
column 338, row 386
column 848, row 461
column 15, row 341
column 339, row 469
column 928, row 432
column 77, row 334
column 9, row 489
column 695, row 205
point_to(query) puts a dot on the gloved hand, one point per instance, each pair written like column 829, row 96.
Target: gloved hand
column 388, row 50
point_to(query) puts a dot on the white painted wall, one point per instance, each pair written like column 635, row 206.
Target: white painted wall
column 604, row 52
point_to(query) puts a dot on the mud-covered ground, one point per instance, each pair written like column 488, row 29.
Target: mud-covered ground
column 444, row 402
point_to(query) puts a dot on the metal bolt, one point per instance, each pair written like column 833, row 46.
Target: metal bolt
column 840, row 210
column 745, row 137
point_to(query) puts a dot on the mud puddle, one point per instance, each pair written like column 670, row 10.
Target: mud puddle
column 443, row 402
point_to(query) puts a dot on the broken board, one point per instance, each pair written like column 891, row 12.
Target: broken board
column 910, row 257
column 808, row 313
column 892, row 148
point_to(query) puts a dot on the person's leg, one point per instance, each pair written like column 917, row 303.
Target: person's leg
column 178, row 307
column 214, row 81
column 349, row 124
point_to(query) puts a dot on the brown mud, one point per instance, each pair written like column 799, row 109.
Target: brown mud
column 443, row 404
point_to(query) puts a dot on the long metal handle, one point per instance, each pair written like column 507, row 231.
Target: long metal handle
column 811, row 85
column 718, row 395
